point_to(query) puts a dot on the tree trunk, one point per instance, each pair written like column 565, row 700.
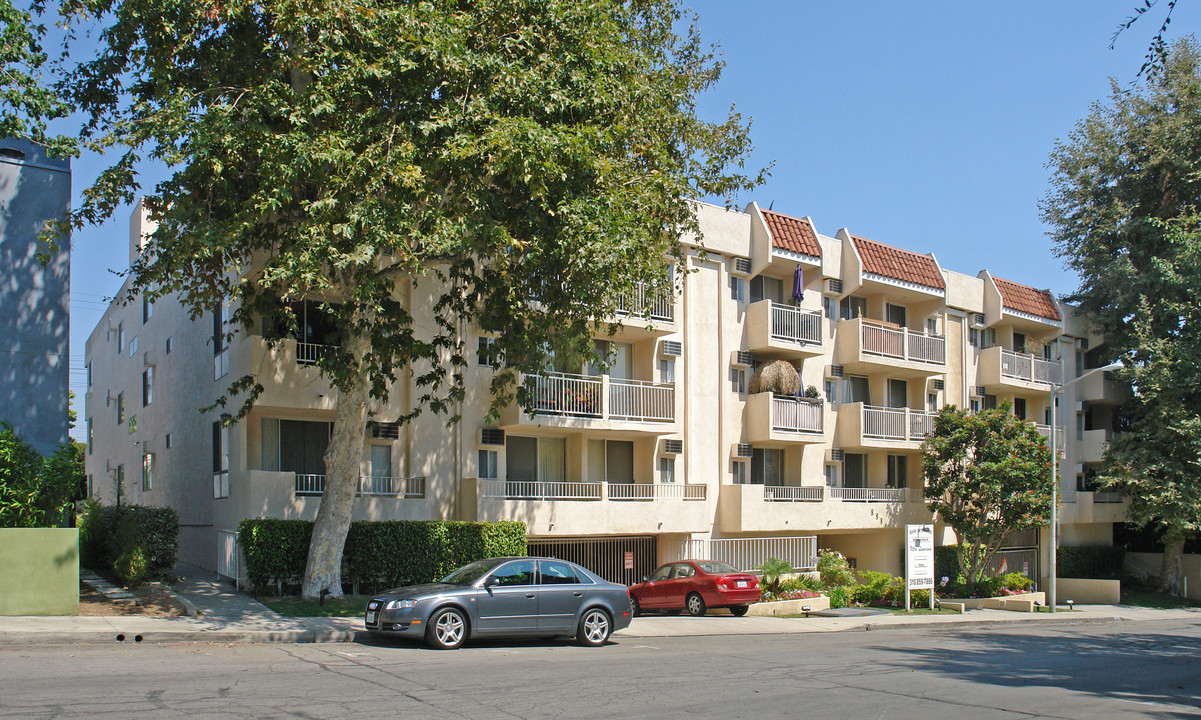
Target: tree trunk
column 1172, row 569
column 342, row 458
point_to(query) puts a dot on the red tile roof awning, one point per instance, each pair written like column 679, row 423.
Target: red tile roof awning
column 898, row 264
column 1023, row 298
column 792, row 234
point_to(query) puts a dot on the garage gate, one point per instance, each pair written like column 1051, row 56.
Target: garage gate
column 604, row 556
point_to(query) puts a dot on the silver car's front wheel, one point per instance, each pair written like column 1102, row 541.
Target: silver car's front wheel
column 447, row 629
column 595, row 628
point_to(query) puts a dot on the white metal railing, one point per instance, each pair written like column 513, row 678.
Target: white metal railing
column 641, row 401
column 903, row 344
column 794, row 324
column 409, row 487
column 1107, row 496
column 1060, row 436
column 229, row 556
column 309, row 353
column 537, row 490
column 792, row 493
column 746, row 553
column 883, row 423
column 566, row 394
column 661, row 308
column 793, row 415
column 309, row 484
column 1026, row 367
column 657, row 491
column 869, row 494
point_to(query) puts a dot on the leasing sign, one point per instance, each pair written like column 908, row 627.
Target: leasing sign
column 919, row 560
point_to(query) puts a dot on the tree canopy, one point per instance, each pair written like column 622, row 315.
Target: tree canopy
column 1126, row 187
column 988, row 475
column 535, row 159
column 37, row 491
column 27, row 99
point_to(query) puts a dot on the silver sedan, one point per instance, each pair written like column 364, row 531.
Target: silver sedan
column 504, row 597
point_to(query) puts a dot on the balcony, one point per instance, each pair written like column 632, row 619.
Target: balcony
column 596, row 402
column 1103, row 388
column 869, row 426
column 589, row 508
column 768, row 508
column 403, row 487
column 778, row 419
column 265, row 493
column 1003, row 370
column 1060, row 438
column 1104, row 506
column 645, row 316
column 871, row 346
column 783, row 330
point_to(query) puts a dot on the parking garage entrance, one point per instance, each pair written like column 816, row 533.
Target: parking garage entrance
column 605, row 556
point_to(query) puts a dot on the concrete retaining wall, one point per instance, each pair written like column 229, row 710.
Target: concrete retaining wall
column 1142, row 565
column 1088, row 592
column 789, row 607
column 39, row 571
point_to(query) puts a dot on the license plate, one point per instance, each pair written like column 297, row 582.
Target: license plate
column 371, row 617
column 742, row 583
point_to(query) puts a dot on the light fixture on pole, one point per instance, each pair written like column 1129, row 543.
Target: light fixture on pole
column 1056, row 390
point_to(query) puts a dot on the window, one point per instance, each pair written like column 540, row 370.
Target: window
column 975, row 405
column 767, row 466
column 610, row 461
column 667, row 370
column 220, row 348
column 167, row 441
column 168, row 347
column 854, row 470
column 855, row 389
column 990, row 402
column 535, row 459
column 514, row 573
column 852, row 306
column 89, row 369
column 767, row 288
column 91, row 486
column 484, row 351
column 737, row 289
column 830, row 306
column 898, row 471
column 120, row 337
column 662, row 573
column 294, row 446
column 487, row 459
column 831, row 387
column 895, row 314
column 1079, row 425
column 556, row 573
column 220, row 460
column 147, row 386
column 1019, row 408
column 932, row 402
column 1019, row 342
column 120, row 482
column 381, row 461
column 1079, row 364
column 738, row 472
column 147, row 472
column 147, row 309
column 931, row 326
column 831, row 474
column 133, row 345
column 988, row 338
column 90, row 436
column 973, row 336
column 133, row 424
column 738, row 380
column 120, row 408
column 667, row 469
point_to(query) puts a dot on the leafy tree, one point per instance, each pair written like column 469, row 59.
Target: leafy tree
column 26, row 103
column 1125, row 189
column 35, row 492
column 1157, row 50
column 988, row 475
column 362, row 153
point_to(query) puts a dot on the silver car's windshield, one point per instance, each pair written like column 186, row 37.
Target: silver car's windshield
column 469, row 573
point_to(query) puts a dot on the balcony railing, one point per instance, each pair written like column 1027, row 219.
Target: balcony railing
column 1026, row 367
column 657, row 491
column 793, row 324
column 309, row 353
column 792, row 493
column 641, row 304
column 1107, row 496
column 406, row 487
column 584, row 396
column 793, row 415
column 903, row 344
column 897, row 423
column 1045, row 431
column 537, row 490
column 875, row 494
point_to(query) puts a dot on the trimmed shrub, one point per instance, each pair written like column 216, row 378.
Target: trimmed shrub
column 874, row 588
column 377, row 554
column 137, row 543
column 834, row 569
column 839, row 597
column 1096, row 563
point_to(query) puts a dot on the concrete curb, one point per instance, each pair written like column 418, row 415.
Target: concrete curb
column 165, row 637
column 188, row 605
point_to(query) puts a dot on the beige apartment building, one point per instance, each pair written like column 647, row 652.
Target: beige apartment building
column 663, row 456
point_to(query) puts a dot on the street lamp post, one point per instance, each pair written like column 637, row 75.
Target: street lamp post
column 1056, row 390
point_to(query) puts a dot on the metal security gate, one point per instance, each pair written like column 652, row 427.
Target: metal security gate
column 1020, row 555
column 604, row 556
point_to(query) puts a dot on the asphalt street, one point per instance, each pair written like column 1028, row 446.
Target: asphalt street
column 1118, row 670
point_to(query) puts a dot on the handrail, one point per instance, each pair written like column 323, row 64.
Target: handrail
column 793, row 324
column 794, row 415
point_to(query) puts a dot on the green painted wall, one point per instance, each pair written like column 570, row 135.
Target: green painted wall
column 39, row 571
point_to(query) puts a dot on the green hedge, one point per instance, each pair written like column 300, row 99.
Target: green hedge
column 1097, row 563
column 377, row 553
column 136, row 542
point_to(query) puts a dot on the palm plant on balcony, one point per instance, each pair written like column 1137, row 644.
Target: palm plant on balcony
column 778, row 377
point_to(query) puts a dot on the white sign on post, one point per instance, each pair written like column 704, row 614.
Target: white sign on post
column 919, row 560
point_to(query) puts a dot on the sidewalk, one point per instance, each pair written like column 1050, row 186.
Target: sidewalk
column 225, row 615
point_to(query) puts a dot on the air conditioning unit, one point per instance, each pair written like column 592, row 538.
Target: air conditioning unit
column 978, row 391
column 978, row 320
column 742, row 266
column 385, row 430
column 837, row 455
column 744, row 450
column 673, row 447
column 742, row 358
column 834, row 286
column 672, row 348
column 1082, row 343
column 834, row 371
column 492, row 436
column 940, row 384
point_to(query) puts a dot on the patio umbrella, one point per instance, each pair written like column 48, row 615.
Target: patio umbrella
column 798, row 284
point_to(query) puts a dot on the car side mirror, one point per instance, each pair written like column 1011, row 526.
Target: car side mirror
column 645, row 578
column 491, row 582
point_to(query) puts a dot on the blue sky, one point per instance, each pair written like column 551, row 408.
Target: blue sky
column 921, row 125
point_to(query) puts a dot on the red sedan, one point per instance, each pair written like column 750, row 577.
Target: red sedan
column 695, row 586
